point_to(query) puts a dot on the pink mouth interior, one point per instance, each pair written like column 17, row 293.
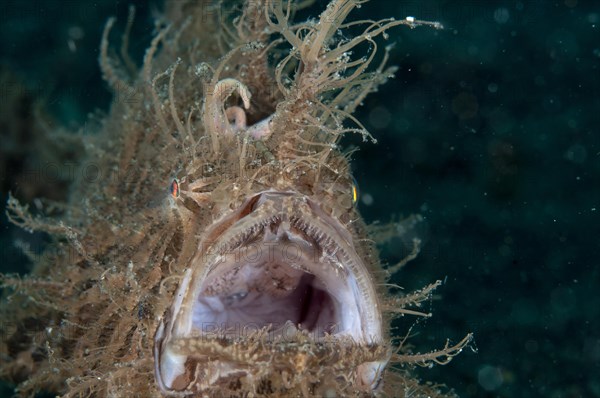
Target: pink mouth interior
column 273, row 295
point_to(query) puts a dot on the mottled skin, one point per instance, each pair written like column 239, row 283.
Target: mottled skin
column 226, row 108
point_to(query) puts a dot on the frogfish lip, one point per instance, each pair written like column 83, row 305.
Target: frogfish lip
column 276, row 277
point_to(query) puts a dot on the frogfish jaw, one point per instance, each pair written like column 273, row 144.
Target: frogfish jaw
column 276, row 300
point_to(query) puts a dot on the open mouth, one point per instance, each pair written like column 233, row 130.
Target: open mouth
column 279, row 271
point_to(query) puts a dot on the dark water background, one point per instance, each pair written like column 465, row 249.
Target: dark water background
column 491, row 131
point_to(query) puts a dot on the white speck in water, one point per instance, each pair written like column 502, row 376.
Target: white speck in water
column 72, row 45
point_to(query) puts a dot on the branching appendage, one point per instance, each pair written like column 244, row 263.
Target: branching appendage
column 398, row 306
column 328, row 83
column 110, row 73
column 416, row 248
column 440, row 357
column 24, row 285
column 406, row 231
column 20, row 216
column 131, row 67
column 384, row 233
